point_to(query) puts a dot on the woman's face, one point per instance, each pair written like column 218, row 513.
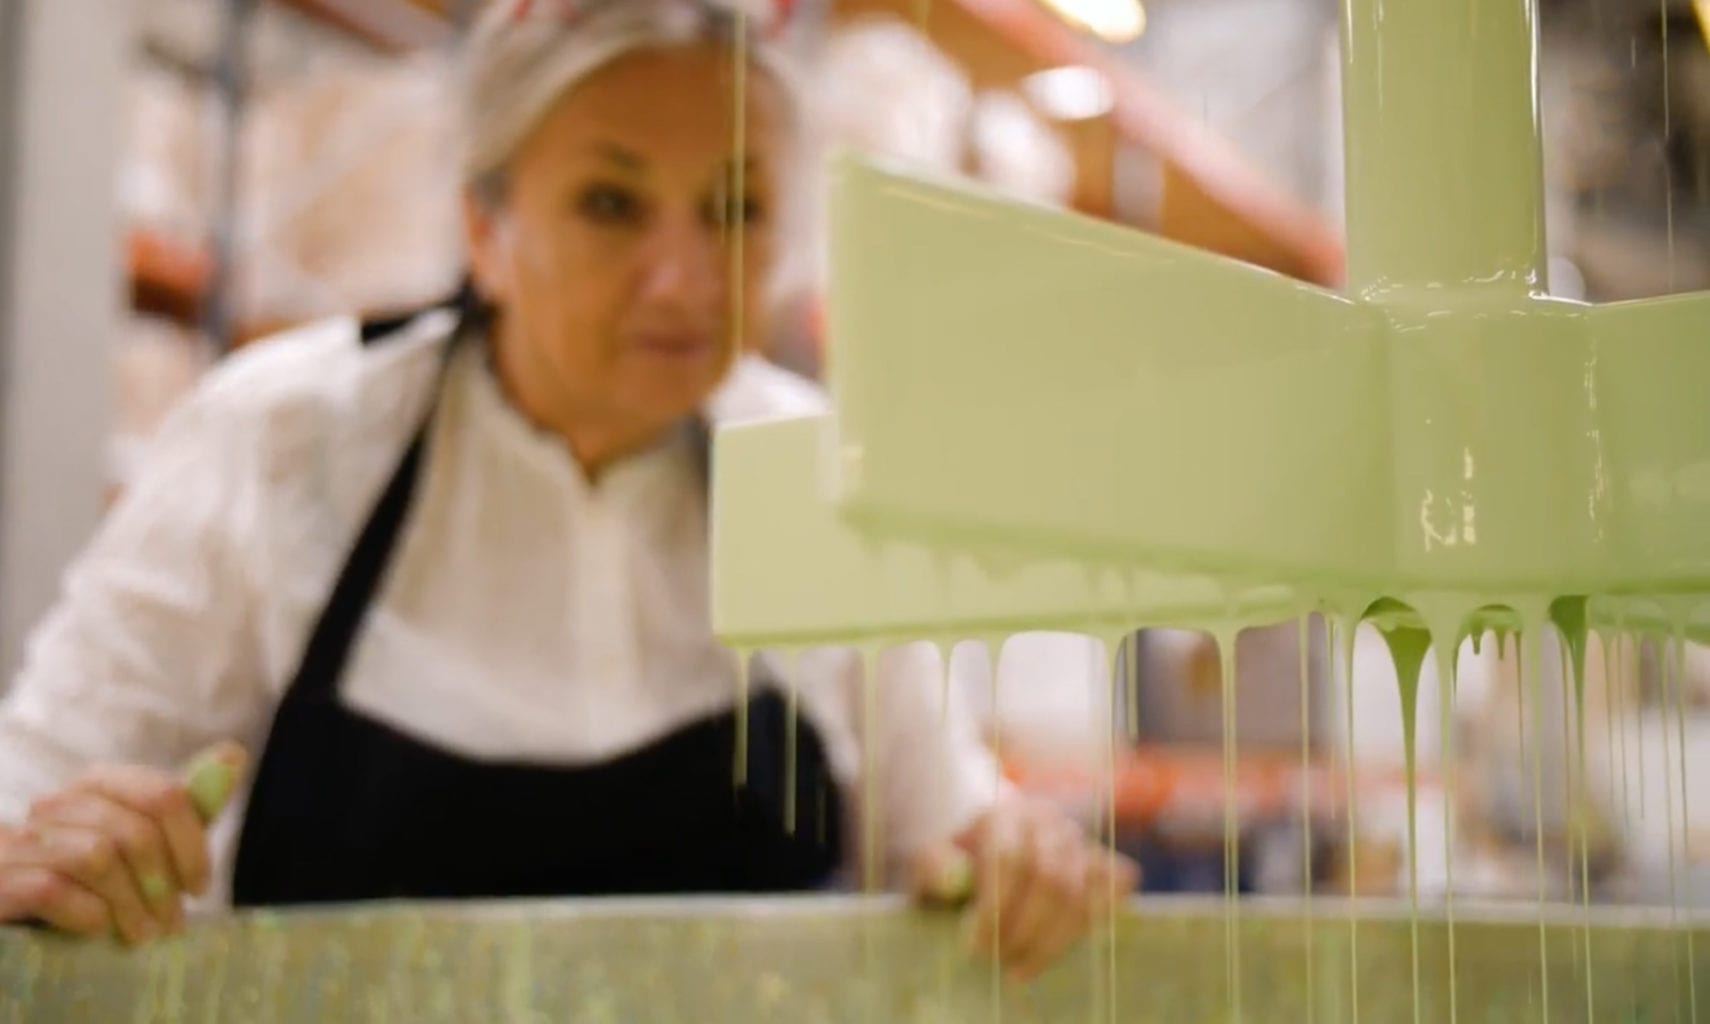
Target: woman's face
column 611, row 255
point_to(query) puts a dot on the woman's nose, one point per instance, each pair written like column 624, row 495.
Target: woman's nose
column 685, row 266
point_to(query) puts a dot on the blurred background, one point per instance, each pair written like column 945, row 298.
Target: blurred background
column 179, row 178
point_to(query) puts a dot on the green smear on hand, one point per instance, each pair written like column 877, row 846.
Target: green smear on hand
column 155, row 888
column 954, row 883
column 210, row 781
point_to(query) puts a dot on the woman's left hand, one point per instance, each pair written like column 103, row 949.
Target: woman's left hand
column 1039, row 884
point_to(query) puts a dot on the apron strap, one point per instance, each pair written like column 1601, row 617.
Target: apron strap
column 341, row 619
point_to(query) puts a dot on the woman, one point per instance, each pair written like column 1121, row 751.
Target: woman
column 449, row 578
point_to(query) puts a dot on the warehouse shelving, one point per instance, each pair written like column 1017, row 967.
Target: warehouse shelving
column 1209, row 196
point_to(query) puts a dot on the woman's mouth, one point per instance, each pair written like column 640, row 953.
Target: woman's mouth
column 675, row 345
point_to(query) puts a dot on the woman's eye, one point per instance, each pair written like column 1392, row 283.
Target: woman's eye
column 609, row 204
column 747, row 210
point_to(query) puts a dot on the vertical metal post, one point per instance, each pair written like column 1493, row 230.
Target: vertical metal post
column 62, row 66
column 219, row 313
column 1442, row 134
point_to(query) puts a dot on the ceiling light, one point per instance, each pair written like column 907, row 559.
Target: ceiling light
column 1115, row 21
column 1072, row 93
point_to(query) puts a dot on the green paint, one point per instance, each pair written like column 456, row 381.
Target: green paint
column 1617, row 738
column 1445, row 623
column 994, row 651
column 155, row 887
column 1348, row 628
column 1226, row 647
column 954, row 883
column 1435, row 195
column 1578, row 803
column 1411, row 382
column 1308, row 800
column 1676, row 705
column 1131, row 686
column 1114, row 649
column 792, row 725
column 1638, row 718
column 210, row 780
column 1436, row 483
column 1567, row 614
column 1407, row 647
column 1664, row 702
column 737, row 237
column 1685, row 816
column 1519, row 689
column 954, row 489
column 872, row 875
column 947, row 650
column 1532, row 683
column 676, row 962
column 739, row 749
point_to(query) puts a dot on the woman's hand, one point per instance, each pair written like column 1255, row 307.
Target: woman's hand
column 115, row 852
column 1038, row 884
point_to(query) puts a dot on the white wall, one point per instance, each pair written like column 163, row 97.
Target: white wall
column 1253, row 70
column 61, row 289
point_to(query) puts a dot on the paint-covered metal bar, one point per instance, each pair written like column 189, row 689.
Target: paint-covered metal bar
column 1444, row 159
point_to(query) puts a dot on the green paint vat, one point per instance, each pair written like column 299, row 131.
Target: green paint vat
column 821, row 959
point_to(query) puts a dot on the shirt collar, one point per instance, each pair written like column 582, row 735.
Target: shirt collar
column 640, row 480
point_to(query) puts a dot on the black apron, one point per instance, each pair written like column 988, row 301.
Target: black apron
column 347, row 808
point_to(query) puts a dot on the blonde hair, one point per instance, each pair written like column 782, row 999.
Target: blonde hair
column 522, row 57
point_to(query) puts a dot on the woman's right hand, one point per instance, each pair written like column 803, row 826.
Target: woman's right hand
column 115, row 852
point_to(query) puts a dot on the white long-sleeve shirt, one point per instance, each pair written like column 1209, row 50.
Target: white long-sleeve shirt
column 529, row 612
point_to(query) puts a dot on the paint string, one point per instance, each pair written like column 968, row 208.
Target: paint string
column 1226, row 642
column 1574, row 641
column 870, row 668
column 1685, row 815
column 1407, row 652
column 737, row 198
column 1449, row 646
column 993, row 652
column 1617, row 755
column 1519, row 689
column 1096, row 987
column 1307, row 792
column 1635, row 669
column 1107, row 702
column 739, row 754
column 946, row 654
column 739, row 146
column 1667, row 131
column 792, row 719
column 1131, row 687
column 1569, row 826
column 1570, row 837
column 948, row 955
column 1530, row 648
column 1348, row 628
column 1665, row 665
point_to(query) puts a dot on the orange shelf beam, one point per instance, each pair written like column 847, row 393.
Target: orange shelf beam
column 1213, row 197
column 168, row 278
column 1156, row 781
